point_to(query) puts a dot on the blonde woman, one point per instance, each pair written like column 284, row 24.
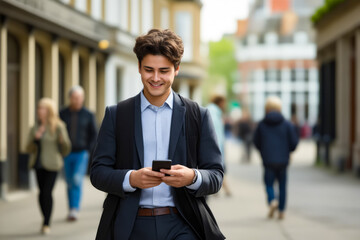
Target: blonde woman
column 48, row 143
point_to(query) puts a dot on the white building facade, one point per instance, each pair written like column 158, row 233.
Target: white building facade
column 276, row 54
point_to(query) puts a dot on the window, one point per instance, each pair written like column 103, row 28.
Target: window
column 293, row 75
column 271, row 38
column 306, row 75
column 184, row 27
column 300, row 38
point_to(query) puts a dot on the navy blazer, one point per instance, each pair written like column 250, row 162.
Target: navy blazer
column 110, row 180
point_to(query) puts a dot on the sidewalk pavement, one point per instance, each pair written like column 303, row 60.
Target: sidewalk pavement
column 321, row 205
column 20, row 218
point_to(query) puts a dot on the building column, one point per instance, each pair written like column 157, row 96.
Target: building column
column 300, row 107
column 286, row 92
column 73, row 74
column 100, row 87
column 184, row 89
column 90, row 98
column 52, row 83
column 27, row 90
column 197, row 94
column 3, row 105
column 313, row 96
column 356, row 148
column 340, row 151
column 259, row 95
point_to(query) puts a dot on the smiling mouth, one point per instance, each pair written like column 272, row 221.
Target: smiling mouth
column 156, row 85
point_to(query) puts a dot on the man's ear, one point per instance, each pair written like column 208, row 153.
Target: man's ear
column 177, row 70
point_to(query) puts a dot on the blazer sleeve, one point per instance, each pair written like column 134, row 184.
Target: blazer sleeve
column 103, row 174
column 210, row 164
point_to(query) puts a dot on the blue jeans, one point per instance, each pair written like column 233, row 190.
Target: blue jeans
column 76, row 164
column 276, row 173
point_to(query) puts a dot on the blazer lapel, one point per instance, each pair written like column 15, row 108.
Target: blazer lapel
column 177, row 121
column 138, row 131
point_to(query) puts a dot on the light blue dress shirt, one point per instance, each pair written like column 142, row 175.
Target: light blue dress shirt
column 156, row 125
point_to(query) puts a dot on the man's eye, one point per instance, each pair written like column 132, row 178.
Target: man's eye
column 164, row 72
column 148, row 70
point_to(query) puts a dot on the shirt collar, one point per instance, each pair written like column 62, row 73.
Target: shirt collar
column 145, row 103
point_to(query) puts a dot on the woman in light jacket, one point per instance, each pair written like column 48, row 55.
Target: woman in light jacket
column 48, row 143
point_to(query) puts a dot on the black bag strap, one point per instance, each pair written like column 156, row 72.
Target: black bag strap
column 125, row 140
column 193, row 129
column 205, row 224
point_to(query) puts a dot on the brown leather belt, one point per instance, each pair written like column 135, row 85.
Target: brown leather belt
column 149, row 212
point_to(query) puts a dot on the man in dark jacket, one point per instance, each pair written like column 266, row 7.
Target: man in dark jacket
column 275, row 138
column 81, row 126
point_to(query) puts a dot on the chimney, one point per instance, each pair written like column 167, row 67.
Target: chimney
column 277, row 6
column 241, row 27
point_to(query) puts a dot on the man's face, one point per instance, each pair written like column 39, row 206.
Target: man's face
column 76, row 100
column 157, row 75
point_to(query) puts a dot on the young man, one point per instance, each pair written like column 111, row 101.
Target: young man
column 145, row 204
column 81, row 126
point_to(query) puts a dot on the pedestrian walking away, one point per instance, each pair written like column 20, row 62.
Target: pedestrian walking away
column 216, row 109
column 48, row 143
column 275, row 138
column 245, row 133
column 157, row 124
column 81, row 127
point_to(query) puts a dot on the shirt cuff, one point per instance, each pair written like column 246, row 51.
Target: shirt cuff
column 196, row 185
column 126, row 183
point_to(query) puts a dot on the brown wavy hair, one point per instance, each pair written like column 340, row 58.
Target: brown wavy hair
column 160, row 42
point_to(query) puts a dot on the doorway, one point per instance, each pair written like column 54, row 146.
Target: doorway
column 13, row 96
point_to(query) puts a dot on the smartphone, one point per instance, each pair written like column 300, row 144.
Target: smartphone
column 161, row 164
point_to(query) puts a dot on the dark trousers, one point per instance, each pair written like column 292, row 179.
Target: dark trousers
column 165, row 227
column 46, row 181
column 272, row 174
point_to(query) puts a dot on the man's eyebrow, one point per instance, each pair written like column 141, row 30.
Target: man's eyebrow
column 163, row 68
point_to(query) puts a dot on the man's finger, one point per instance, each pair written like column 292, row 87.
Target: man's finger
column 151, row 173
column 170, row 172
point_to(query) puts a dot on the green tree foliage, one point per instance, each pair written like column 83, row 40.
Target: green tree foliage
column 222, row 67
column 327, row 7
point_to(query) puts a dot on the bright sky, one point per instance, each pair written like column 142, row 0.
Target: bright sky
column 219, row 17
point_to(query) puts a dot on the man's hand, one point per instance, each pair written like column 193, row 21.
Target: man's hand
column 180, row 176
column 145, row 178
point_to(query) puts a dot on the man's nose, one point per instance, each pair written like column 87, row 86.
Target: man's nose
column 156, row 76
